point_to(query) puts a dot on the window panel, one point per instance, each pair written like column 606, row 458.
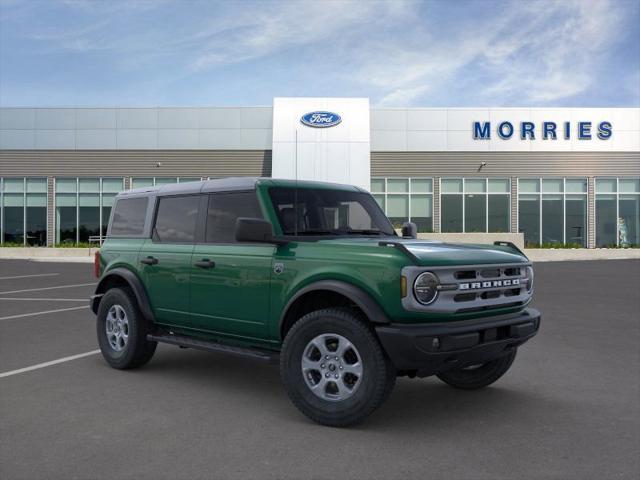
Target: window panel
column 606, row 221
column 398, row 185
column 552, row 185
column 475, row 213
column 36, row 185
column 165, row 180
column 36, row 226
column 66, row 185
column 141, row 182
column 576, row 185
column 606, row 185
column 398, row 209
column 176, row 219
column 13, row 185
column 499, row 213
column 451, row 213
column 13, row 216
column 381, row 201
column 89, row 185
column 112, row 185
column 451, row 185
column 475, row 185
column 629, row 220
column 552, row 219
column 223, row 211
column 529, row 219
column 528, row 185
column 576, row 220
column 499, row 185
column 421, row 185
column 629, row 185
column 129, row 216
column 377, row 184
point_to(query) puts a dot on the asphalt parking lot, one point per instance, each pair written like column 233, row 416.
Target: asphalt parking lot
column 569, row 407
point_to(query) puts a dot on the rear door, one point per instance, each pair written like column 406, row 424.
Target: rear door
column 165, row 259
column 230, row 281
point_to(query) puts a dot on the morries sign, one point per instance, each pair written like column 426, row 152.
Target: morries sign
column 545, row 130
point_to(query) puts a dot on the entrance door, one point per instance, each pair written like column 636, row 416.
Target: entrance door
column 166, row 258
column 230, row 281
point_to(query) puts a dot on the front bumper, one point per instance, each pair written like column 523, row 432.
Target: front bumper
column 427, row 349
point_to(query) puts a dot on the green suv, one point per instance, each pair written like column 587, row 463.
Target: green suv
column 313, row 276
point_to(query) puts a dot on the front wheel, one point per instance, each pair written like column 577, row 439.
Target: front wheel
column 334, row 369
column 478, row 376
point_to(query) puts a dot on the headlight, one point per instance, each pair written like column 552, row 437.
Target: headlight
column 529, row 274
column 425, row 288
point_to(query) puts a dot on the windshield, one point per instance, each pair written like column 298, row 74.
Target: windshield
column 328, row 212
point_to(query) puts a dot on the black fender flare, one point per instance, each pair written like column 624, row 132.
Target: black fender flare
column 362, row 299
column 133, row 281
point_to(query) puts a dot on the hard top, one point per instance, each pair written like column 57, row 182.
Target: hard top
column 230, row 184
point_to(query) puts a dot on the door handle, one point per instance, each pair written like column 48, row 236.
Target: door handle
column 149, row 260
column 204, row 263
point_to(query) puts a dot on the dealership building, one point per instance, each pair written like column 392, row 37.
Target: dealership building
column 560, row 176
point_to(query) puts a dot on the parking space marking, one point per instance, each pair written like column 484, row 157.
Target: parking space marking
column 48, row 364
column 46, row 299
column 43, row 313
column 29, row 276
column 48, row 288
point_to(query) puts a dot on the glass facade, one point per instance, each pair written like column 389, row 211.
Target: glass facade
column 23, row 211
column 470, row 205
column 137, row 182
column 553, row 211
column 406, row 199
column 617, row 215
column 83, row 207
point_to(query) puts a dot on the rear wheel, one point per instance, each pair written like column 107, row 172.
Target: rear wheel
column 334, row 368
column 478, row 376
column 122, row 330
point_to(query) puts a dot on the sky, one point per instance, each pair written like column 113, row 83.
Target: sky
column 569, row 53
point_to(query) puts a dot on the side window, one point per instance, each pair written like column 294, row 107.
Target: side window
column 128, row 216
column 176, row 219
column 224, row 209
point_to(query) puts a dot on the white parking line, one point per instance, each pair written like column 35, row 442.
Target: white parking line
column 47, row 364
column 29, row 276
column 47, row 288
column 43, row 313
column 47, row 299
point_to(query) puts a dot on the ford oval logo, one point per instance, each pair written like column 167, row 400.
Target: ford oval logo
column 321, row 119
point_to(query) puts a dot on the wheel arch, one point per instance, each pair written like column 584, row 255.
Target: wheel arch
column 123, row 277
column 326, row 293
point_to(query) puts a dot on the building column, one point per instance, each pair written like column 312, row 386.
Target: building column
column 436, row 205
column 591, row 212
column 514, row 204
column 51, row 212
column 127, row 183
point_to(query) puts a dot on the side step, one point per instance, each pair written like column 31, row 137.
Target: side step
column 211, row 346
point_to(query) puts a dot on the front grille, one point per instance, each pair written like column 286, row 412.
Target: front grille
column 473, row 288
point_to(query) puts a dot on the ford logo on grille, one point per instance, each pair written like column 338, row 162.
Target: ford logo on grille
column 321, row 119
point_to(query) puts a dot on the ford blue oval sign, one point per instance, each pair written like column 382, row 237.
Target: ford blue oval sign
column 321, row 119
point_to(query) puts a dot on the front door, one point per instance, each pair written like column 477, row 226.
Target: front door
column 165, row 259
column 230, row 282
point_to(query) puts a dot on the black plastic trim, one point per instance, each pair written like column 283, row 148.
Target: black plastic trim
column 134, row 283
column 363, row 300
column 431, row 348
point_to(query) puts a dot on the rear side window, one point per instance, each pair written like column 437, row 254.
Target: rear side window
column 176, row 219
column 128, row 216
column 224, row 209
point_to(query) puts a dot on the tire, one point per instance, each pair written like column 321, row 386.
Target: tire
column 476, row 377
column 130, row 349
column 353, row 396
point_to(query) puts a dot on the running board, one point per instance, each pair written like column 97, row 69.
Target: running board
column 210, row 346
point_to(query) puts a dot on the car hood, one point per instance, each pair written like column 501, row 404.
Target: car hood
column 435, row 253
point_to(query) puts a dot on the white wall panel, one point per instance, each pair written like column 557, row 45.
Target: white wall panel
column 339, row 153
column 256, row 138
column 256, row 117
column 426, row 119
column 424, row 140
column 219, row 139
column 17, row 139
column 219, row 118
column 137, row 118
column 97, row 139
column 177, row 139
column 95, row 118
column 178, row 118
column 137, row 139
column 389, row 119
column 17, row 118
column 55, row 140
column 462, row 119
column 55, row 118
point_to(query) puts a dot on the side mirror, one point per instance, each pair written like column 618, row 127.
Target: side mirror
column 409, row 230
column 255, row 230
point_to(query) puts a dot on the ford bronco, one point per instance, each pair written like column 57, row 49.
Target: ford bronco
column 313, row 276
